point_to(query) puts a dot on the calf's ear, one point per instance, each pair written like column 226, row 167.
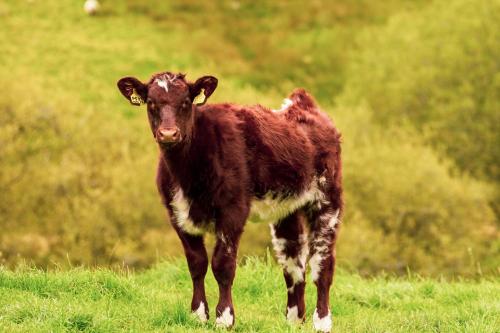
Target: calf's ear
column 133, row 90
column 205, row 86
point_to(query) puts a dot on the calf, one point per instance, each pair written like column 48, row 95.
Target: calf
column 223, row 163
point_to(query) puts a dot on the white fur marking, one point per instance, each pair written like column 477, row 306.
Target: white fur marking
column 315, row 264
column 304, row 250
column 180, row 206
column 200, row 313
column 162, row 83
column 294, row 266
column 292, row 315
column 294, row 270
column 224, row 241
column 334, row 219
column 225, row 319
column 321, row 242
column 278, row 245
column 222, row 238
column 274, row 209
column 287, row 102
column 322, row 324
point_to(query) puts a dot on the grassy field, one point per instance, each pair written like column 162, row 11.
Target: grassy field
column 157, row 300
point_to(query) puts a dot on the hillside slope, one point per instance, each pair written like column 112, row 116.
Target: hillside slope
column 77, row 162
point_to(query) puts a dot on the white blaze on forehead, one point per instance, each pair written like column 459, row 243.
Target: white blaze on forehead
column 162, row 83
column 322, row 324
column 164, row 80
column 200, row 313
column 292, row 315
column 225, row 319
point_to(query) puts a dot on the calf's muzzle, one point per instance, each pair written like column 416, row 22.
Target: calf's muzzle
column 168, row 135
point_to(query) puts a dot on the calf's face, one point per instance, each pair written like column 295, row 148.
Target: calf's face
column 170, row 103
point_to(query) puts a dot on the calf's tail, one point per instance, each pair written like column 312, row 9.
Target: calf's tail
column 302, row 99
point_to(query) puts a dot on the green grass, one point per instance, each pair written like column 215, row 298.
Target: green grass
column 157, row 300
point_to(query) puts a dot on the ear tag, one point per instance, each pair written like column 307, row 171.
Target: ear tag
column 200, row 99
column 135, row 98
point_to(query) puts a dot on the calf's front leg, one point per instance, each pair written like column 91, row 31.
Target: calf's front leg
column 228, row 232
column 197, row 260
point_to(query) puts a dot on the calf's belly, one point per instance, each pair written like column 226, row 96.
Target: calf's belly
column 270, row 209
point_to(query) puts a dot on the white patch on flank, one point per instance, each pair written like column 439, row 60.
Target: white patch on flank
column 274, row 209
column 225, row 319
column 287, row 102
column 322, row 324
column 181, row 206
column 200, row 313
column 292, row 315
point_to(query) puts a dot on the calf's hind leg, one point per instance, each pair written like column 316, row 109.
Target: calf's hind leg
column 322, row 262
column 290, row 244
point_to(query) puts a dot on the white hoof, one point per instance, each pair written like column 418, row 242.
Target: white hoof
column 201, row 313
column 225, row 319
column 322, row 324
column 292, row 315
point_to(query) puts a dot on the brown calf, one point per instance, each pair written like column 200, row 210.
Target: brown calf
column 223, row 163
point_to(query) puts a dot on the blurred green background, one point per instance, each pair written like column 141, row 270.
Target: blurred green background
column 414, row 86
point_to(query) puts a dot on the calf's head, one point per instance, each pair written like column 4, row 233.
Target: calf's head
column 170, row 102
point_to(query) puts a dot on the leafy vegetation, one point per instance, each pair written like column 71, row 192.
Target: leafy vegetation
column 412, row 85
column 158, row 300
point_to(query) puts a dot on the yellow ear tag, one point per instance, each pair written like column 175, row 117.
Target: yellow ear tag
column 200, row 99
column 135, row 98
